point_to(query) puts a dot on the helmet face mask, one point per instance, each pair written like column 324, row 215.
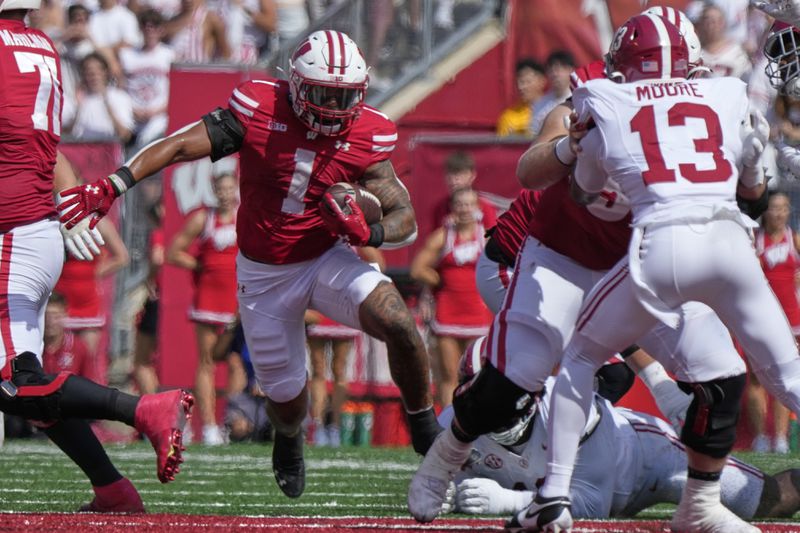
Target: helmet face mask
column 647, row 47
column 328, row 82
column 783, row 64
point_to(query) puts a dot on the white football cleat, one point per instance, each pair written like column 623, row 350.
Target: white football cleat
column 427, row 492
column 548, row 515
column 715, row 519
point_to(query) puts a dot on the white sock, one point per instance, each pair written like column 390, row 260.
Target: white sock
column 701, row 493
column 453, row 450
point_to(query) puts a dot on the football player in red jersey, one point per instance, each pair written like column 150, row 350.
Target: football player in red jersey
column 295, row 139
column 30, row 123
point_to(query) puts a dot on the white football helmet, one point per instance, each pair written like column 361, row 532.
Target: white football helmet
column 783, row 64
column 8, row 5
column 328, row 82
column 685, row 26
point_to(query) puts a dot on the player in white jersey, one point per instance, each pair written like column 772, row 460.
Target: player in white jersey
column 627, row 461
column 661, row 138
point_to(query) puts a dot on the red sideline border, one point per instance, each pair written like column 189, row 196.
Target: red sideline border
column 152, row 523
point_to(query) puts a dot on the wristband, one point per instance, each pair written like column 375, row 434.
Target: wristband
column 376, row 233
column 122, row 179
column 564, row 153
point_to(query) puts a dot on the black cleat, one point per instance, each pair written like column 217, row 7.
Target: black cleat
column 288, row 465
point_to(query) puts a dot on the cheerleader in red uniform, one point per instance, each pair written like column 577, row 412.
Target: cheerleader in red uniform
column 214, row 270
column 81, row 285
column 447, row 265
column 777, row 247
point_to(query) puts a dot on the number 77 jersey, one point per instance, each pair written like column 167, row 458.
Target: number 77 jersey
column 285, row 168
column 671, row 145
column 30, row 123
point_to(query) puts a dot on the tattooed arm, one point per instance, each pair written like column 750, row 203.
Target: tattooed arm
column 399, row 223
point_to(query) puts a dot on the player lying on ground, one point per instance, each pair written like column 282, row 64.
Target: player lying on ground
column 627, row 461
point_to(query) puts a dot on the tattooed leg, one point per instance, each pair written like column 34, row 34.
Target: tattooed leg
column 385, row 316
column 781, row 495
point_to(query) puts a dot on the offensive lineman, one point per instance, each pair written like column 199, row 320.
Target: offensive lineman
column 30, row 123
column 295, row 139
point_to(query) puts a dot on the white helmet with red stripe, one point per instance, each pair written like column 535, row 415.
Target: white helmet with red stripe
column 647, row 47
column 328, row 82
column 8, row 5
column 685, row 26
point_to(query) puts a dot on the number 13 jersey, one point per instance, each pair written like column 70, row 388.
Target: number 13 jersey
column 30, row 123
column 671, row 145
column 285, row 169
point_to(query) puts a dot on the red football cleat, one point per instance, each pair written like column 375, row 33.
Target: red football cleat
column 162, row 418
column 118, row 497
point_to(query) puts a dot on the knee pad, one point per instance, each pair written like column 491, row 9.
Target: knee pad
column 37, row 394
column 614, row 381
column 492, row 403
column 710, row 426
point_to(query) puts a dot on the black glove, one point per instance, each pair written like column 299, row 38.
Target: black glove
column 424, row 429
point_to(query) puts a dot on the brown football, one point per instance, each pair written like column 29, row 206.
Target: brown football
column 367, row 201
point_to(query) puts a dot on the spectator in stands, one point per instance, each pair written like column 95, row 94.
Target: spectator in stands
column 459, row 173
column 214, row 273
column 197, row 34
column 50, row 18
column 74, row 45
column 146, row 72
column 292, row 19
column 778, row 248
column 144, row 370
column 322, row 332
column 531, row 80
column 724, row 56
column 114, row 26
column 558, row 67
column 81, row 285
column 249, row 25
column 447, row 265
column 103, row 111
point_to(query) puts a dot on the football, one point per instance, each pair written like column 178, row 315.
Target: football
column 367, row 201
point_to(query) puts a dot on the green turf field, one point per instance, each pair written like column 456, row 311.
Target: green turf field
column 236, row 480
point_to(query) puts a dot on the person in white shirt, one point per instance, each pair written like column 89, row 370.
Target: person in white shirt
column 103, row 111
column 723, row 55
column 558, row 68
column 114, row 26
column 146, row 72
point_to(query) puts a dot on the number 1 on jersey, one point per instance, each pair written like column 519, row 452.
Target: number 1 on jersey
column 29, row 62
column 644, row 123
column 303, row 167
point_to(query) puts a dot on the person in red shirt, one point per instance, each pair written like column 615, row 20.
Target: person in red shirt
column 214, row 271
column 63, row 350
column 295, row 139
column 777, row 246
column 447, row 264
column 31, row 257
column 460, row 173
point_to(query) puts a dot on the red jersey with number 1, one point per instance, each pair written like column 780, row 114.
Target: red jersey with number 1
column 30, row 123
column 285, row 169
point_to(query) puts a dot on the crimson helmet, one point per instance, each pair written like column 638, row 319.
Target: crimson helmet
column 685, row 26
column 8, row 5
column 648, row 47
column 783, row 65
column 328, row 82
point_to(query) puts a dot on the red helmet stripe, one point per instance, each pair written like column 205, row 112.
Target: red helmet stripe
column 331, row 52
column 666, row 45
column 343, row 62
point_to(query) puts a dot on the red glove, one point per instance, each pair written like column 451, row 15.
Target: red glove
column 89, row 200
column 353, row 226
